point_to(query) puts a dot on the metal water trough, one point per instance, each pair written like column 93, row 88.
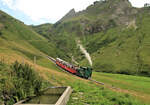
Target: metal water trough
column 62, row 100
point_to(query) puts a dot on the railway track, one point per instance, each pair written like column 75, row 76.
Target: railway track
column 50, row 58
column 90, row 79
column 113, row 88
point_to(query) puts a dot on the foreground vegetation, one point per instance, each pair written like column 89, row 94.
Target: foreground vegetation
column 20, row 81
column 17, row 82
column 91, row 94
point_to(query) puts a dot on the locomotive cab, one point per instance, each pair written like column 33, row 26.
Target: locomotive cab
column 84, row 72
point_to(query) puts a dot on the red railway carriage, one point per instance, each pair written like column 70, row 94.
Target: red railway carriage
column 65, row 65
column 84, row 72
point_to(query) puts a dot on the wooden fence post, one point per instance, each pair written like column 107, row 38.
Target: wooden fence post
column 22, row 61
column 34, row 59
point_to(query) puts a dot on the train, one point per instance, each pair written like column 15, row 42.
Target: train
column 84, row 72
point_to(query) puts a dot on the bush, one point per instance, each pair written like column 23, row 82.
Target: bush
column 108, row 68
column 19, row 82
column 126, row 71
column 0, row 33
column 28, row 77
column 145, row 70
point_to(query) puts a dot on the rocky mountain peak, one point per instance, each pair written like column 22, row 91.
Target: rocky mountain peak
column 70, row 14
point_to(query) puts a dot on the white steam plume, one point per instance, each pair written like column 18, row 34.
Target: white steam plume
column 87, row 55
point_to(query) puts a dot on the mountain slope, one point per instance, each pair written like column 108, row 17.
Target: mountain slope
column 113, row 32
column 123, row 50
column 19, row 41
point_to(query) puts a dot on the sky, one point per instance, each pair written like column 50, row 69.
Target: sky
column 48, row 11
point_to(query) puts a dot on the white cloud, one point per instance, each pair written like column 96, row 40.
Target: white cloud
column 53, row 10
column 46, row 9
column 9, row 3
column 139, row 3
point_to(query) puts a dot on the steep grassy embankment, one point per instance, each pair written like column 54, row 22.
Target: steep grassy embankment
column 19, row 41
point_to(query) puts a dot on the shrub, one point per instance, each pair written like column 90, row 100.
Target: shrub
column 0, row 33
column 108, row 68
column 145, row 70
column 18, row 82
column 28, row 77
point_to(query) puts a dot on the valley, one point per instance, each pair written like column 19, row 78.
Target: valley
column 111, row 37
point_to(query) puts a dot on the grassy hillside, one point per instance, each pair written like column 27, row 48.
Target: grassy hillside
column 122, row 51
column 43, row 29
column 134, row 85
column 113, row 32
column 21, row 40
column 114, row 47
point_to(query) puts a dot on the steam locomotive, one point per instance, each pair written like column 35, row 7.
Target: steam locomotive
column 84, row 72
